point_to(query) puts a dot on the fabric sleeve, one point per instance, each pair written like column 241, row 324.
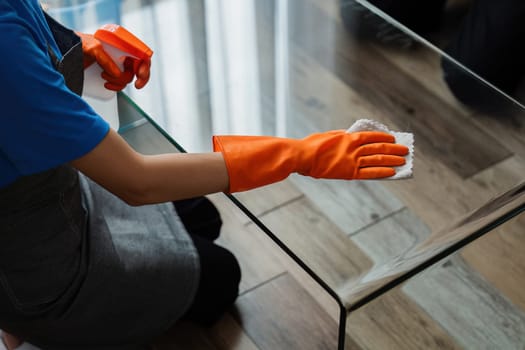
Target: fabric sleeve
column 42, row 123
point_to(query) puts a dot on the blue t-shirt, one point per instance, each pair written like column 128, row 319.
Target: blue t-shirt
column 42, row 123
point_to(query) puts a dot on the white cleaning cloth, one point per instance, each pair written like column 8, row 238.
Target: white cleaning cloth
column 402, row 138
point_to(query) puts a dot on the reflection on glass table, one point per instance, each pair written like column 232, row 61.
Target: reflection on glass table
column 290, row 68
column 472, row 299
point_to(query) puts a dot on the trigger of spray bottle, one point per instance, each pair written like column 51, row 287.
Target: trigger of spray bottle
column 120, row 45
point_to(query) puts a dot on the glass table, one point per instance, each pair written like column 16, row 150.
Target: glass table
column 290, row 68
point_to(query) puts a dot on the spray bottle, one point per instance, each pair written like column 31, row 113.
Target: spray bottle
column 121, row 46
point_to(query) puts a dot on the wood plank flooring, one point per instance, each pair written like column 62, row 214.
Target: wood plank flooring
column 472, row 300
column 471, row 310
column 306, row 326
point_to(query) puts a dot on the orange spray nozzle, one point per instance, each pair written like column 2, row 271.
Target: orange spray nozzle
column 123, row 40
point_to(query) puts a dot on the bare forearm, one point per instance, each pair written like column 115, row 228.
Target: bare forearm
column 183, row 175
column 140, row 179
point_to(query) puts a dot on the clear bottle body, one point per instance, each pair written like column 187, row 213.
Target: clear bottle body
column 102, row 100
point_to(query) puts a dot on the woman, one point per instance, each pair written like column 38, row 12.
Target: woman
column 92, row 252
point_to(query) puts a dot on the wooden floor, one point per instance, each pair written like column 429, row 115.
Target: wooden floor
column 473, row 300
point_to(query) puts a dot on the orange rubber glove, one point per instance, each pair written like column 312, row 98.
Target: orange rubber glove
column 142, row 73
column 254, row 161
column 116, row 79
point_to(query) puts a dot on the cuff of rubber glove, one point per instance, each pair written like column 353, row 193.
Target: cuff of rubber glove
column 255, row 161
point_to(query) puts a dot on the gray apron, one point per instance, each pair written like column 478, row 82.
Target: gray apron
column 78, row 265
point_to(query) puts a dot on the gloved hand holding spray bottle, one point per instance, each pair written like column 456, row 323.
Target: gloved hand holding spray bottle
column 112, row 58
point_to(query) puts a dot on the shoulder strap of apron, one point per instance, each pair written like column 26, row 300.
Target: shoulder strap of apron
column 71, row 65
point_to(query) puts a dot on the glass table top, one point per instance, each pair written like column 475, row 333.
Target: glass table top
column 290, row 68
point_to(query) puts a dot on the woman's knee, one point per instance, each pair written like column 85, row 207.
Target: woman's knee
column 200, row 217
column 220, row 275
